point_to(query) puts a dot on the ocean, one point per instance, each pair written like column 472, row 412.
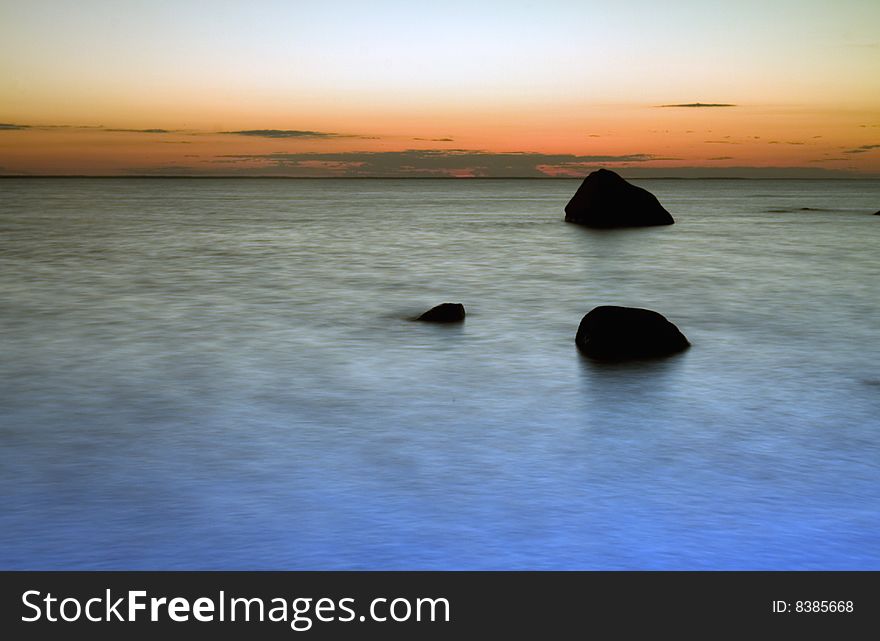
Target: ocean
column 223, row 374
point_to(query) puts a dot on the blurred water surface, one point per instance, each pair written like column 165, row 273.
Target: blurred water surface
column 221, row 374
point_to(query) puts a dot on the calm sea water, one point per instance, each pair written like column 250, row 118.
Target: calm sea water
column 221, row 374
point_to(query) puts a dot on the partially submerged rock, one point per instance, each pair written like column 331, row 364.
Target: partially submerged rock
column 444, row 313
column 622, row 333
column 605, row 199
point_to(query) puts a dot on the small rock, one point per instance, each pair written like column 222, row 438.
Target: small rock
column 444, row 313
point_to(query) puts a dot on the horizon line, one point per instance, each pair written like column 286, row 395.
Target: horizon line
column 867, row 177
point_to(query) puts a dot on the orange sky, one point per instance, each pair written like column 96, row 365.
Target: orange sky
column 281, row 88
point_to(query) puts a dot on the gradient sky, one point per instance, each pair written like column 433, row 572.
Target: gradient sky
column 384, row 87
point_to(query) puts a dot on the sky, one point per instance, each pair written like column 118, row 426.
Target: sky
column 478, row 88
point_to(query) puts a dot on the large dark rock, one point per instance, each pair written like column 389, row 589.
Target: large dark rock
column 605, row 199
column 444, row 313
column 621, row 333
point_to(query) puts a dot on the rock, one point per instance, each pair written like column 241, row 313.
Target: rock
column 444, row 313
column 877, row 214
column 605, row 199
column 620, row 333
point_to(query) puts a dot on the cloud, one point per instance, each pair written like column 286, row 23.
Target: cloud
column 742, row 172
column 429, row 162
column 304, row 134
column 162, row 170
column 436, row 139
column 721, row 142
column 7, row 126
column 70, row 127
column 326, row 168
column 282, row 133
column 139, row 131
column 700, row 105
column 721, row 158
column 862, row 149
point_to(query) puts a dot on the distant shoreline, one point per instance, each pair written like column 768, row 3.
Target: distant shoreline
column 460, row 178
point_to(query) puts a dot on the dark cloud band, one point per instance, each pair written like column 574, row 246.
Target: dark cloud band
column 282, row 133
column 431, row 162
column 862, row 149
column 700, row 105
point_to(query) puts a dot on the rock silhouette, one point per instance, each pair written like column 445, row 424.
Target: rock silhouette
column 622, row 333
column 444, row 313
column 605, row 200
column 877, row 214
